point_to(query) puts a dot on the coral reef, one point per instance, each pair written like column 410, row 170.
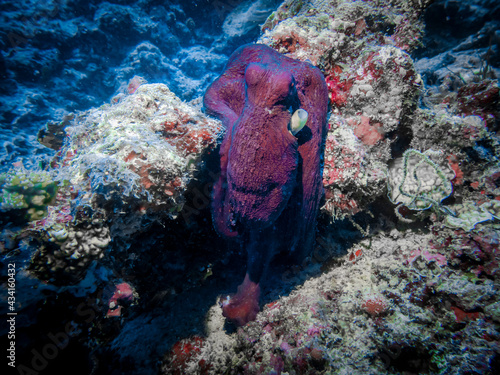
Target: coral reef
column 106, row 238
column 66, row 250
column 145, row 145
column 393, row 310
column 418, row 287
column 363, row 51
column 26, row 193
column 138, row 153
column 418, row 182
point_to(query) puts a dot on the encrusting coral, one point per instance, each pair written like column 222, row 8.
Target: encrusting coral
column 146, row 146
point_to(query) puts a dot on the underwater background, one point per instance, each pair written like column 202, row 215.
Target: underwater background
column 109, row 259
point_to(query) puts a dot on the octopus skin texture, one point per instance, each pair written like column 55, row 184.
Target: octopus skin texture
column 270, row 185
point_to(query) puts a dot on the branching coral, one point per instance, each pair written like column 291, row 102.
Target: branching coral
column 29, row 192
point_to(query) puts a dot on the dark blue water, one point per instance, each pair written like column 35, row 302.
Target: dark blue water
column 60, row 57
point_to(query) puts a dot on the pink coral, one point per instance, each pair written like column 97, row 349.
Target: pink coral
column 375, row 306
column 123, row 292
column 338, row 89
column 440, row 259
column 342, row 163
column 463, row 316
column 455, row 166
column 184, row 353
column 368, row 133
column 134, row 84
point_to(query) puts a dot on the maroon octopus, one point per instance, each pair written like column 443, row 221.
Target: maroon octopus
column 270, row 183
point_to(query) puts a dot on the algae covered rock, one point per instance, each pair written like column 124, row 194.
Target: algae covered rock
column 122, row 166
column 145, row 146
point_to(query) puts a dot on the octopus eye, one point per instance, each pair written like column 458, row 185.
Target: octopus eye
column 298, row 121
